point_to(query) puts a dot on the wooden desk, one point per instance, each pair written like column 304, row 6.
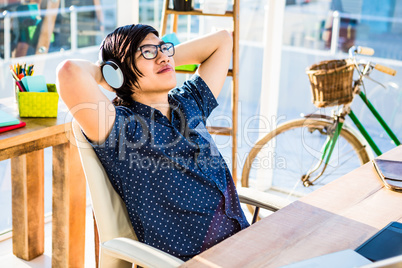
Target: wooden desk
column 340, row 215
column 25, row 147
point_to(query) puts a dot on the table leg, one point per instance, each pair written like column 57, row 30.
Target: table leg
column 27, row 176
column 69, row 203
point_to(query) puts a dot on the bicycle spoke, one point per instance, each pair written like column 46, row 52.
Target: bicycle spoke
column 350, row 155
column 299, row 148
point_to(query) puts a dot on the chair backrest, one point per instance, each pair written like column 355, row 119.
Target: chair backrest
column 110, row 212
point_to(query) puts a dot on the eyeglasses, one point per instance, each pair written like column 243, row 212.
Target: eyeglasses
column 150, row 52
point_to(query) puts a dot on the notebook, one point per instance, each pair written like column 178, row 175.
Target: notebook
column 390, row 173
column 8, row 128
column 7, row 119
column 36, row 83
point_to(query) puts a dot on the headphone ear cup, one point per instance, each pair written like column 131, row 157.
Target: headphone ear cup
column 112, row 74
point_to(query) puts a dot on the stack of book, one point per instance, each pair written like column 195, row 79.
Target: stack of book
column 9, row 122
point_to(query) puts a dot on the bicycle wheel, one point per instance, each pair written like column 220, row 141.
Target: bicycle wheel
column 278, row 161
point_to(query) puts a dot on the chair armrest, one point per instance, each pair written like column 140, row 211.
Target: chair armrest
column 139, row 253
column 261, row 199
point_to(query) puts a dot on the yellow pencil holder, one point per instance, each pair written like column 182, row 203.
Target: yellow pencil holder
column 38, row 104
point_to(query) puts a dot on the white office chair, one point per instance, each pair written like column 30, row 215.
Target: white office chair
column 119, row 246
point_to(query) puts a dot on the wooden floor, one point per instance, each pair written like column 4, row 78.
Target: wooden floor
column 7, row 259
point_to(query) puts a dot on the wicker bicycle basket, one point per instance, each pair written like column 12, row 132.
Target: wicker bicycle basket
column 331, row 82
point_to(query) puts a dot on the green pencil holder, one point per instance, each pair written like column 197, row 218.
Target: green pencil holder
column 38, row 104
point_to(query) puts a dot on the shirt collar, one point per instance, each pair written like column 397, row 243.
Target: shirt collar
column 149, row 112
column 142, row 109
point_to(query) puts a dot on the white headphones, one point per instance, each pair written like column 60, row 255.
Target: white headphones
column 111, row 72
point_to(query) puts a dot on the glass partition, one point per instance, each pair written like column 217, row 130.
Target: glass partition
column 30, row 28
column 338, row 24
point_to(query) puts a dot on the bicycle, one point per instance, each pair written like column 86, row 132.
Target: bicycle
column 386, row 100
column 318, row 148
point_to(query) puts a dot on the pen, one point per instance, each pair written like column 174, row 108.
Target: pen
column 30, row 69
column 19, row 71
column 20, row 86
column 14, row 75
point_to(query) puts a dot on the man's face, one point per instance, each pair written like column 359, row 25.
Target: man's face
column 159, row 74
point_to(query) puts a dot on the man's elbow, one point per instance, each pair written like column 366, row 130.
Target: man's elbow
column 227, row 38
column 65, row 75
column 64, row 69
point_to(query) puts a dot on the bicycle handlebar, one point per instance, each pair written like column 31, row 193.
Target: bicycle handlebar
column 369, row 51
column 360, row 50
column 385, row 69
column 365, row 51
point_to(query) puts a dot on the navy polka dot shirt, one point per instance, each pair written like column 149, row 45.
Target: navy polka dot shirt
column 177, row 188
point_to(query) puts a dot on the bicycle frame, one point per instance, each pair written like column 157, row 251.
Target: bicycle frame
column 380, row 120
column 327, row 150
column 330, row 143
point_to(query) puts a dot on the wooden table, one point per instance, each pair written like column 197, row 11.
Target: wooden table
column 25, row 148
column 340, row 215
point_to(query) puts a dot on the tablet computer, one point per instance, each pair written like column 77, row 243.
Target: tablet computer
column 386, row 243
